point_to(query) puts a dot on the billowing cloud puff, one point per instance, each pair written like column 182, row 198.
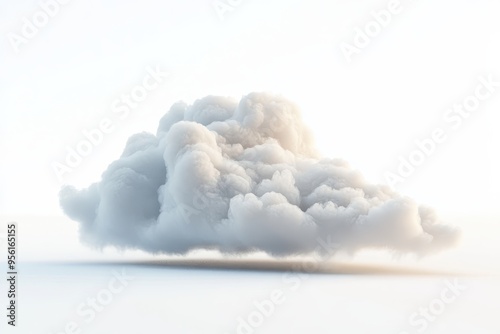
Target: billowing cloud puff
column 243, row 177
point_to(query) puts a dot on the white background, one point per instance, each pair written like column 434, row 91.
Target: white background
column 368, row 111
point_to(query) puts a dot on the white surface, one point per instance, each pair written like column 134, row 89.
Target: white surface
column 167, row 300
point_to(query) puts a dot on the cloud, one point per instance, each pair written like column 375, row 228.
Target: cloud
column 241, row 177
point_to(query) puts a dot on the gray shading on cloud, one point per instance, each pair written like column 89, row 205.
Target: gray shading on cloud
column 242, row 177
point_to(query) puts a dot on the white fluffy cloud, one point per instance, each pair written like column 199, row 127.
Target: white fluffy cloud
column 242, row 177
